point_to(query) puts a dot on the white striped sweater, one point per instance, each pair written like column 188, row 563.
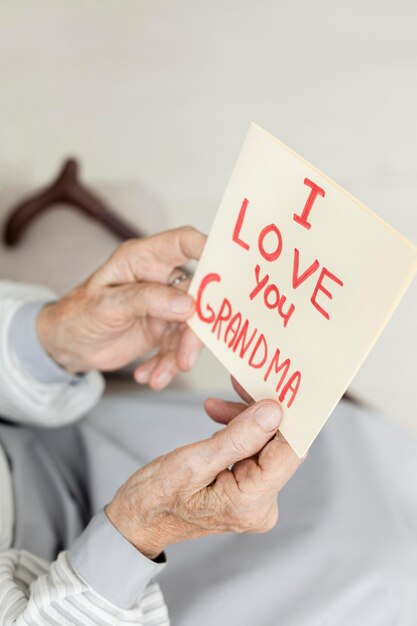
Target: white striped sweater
column 32, row 591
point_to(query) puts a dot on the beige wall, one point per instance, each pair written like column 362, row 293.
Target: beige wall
column 155, row 98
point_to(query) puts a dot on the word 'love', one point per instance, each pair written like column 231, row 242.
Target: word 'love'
column 270, row 246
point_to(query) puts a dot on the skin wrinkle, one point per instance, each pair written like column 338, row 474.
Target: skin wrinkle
column 228, row 482
column 113, row 309
column 238, row 511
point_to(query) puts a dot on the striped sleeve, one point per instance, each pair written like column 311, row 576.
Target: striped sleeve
column 34, row 593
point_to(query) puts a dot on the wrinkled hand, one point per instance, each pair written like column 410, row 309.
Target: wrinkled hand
column 191, row 492
column 125, row 309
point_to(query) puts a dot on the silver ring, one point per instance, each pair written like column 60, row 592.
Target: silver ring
column 180, row 278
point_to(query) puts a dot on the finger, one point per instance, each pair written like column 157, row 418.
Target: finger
column 179, row 246
column 278, row 462
column 223, row 411
column 154, row 300
column 151, row 258
column 244, row 471
column 241, row 391
column 243, row 437
column 143, row 372
column 162, row 368
column 189, row 350
column 164, row 372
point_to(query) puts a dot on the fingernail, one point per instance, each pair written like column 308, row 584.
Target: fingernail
column 181, row 304
column 269, row 416
column 163, row 380
column 142, row 376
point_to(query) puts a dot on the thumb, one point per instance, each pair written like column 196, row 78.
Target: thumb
column 154, row 300
column 243, row 437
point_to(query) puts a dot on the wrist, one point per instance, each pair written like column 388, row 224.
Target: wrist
column 51, row 335
column 110, row 565
column 147, row 539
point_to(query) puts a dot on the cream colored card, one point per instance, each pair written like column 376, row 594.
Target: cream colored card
column 295, row 284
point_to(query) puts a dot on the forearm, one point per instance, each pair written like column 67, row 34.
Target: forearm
column 32, row 387
column 101, row 578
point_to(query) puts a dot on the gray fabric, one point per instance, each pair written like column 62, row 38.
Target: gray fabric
column 111, row 565
column 52, row 472
column 28, row 349
column 344, row 552
column 52, row 479
column 48, row 468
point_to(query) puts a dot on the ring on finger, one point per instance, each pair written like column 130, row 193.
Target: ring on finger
column 179, row 275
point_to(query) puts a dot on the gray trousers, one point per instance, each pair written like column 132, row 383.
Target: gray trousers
column 343, row 553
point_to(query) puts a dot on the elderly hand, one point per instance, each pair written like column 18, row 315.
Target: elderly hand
column 191, row 492
column 125, row 309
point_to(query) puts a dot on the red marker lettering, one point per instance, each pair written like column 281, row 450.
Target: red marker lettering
column 206, row 280
column 233, row 328
column 285, row 366
column 297, row 280
column 223, row 315
column 285, row 315
column 260, row 344
column 319, row 287
column 238, row 226
column 315, row 191
column 241, row 338
column 292, row 385
column 274, row 254
column 272, row 302
column 260, row 284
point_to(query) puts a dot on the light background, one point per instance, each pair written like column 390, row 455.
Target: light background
column 155, row 98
